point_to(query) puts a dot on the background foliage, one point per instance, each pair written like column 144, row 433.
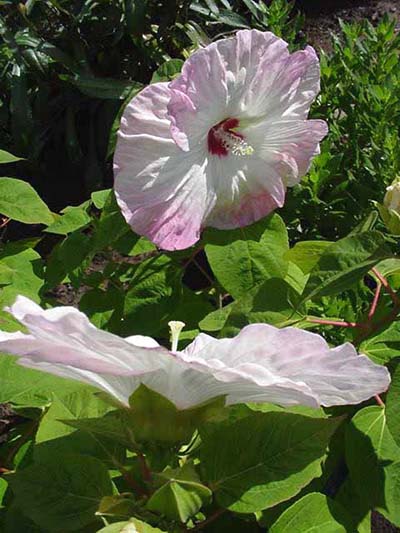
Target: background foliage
column 66, row 70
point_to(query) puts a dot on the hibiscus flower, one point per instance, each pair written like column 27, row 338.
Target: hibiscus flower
column 262, row 363
column 219, row 144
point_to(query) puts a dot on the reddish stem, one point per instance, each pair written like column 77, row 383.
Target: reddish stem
column 131, row 481
column 146, row 472
column 388, row 288
column 379, row 400
column 327, row 322
column 375, row 301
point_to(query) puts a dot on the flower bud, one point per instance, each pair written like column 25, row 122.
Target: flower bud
column 391, row 199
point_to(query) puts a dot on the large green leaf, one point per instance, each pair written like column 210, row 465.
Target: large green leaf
column 244, row 258
column 19, row 201
column 24, row 387
column 384, row 346
column 54, row 437
column 273, row 302
column 154, row 291
column 373, row 459
column 263, row 459
column 314, row 513
column 344, row 263
column 63, row 493
column 306, row 254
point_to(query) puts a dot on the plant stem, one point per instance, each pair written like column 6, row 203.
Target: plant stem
column 208, row 520
column 375, row 300
column 146, row 472
column 328, row 322
column 386, row 285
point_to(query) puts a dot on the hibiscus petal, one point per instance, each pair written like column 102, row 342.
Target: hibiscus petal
column 247, row 189
column 161, row 190
column 290, row 363
column 288, row 146
column 64, row 335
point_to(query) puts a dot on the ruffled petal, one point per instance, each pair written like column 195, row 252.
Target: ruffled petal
column 292, row 364
column 64, row 335
column 288, row 146
column 161, row 190
column 247, row 188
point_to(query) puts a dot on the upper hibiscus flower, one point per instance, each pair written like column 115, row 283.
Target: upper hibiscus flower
column 218, row 145
column 261, row 364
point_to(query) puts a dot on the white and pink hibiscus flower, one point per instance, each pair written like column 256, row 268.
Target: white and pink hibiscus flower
column 261, row 364
column 219, row 145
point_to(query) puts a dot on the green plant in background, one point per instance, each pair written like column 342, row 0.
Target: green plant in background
column 360, row 84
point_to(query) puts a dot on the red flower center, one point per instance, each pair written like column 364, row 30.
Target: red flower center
column 221, row 137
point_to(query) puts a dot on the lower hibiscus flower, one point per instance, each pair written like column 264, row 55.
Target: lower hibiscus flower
column 262, row 363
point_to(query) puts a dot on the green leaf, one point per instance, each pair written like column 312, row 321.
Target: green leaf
column 306, row 254
column 111, row 226
column 6, row 157
column 99, row 198
column 104, row 88
column 72, row 219
column 62, row 494
column 393, row 405
column 373, row 460
column 19, row 201
column 273, row 302
column 384, row 346
column 266, row 458
column 30, row 388
column 154, row 291
column 244, row 258
column 131, row 526
column 26, row 277
column 181, row 496
column 54, row 437
column 344, row 263
column 313, row 513
column 167, row 71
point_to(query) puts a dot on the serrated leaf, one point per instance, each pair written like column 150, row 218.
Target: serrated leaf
column 24, row 387
column 244, row 258
column 312, row 513
column 344, row 263
column 306, row 254
column 62, row 494
column 19, row 201
column 263, row 459
column 373, row 460
column 384, row 346
column 273, row 302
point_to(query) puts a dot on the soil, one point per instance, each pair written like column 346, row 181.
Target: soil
column 322, row 16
